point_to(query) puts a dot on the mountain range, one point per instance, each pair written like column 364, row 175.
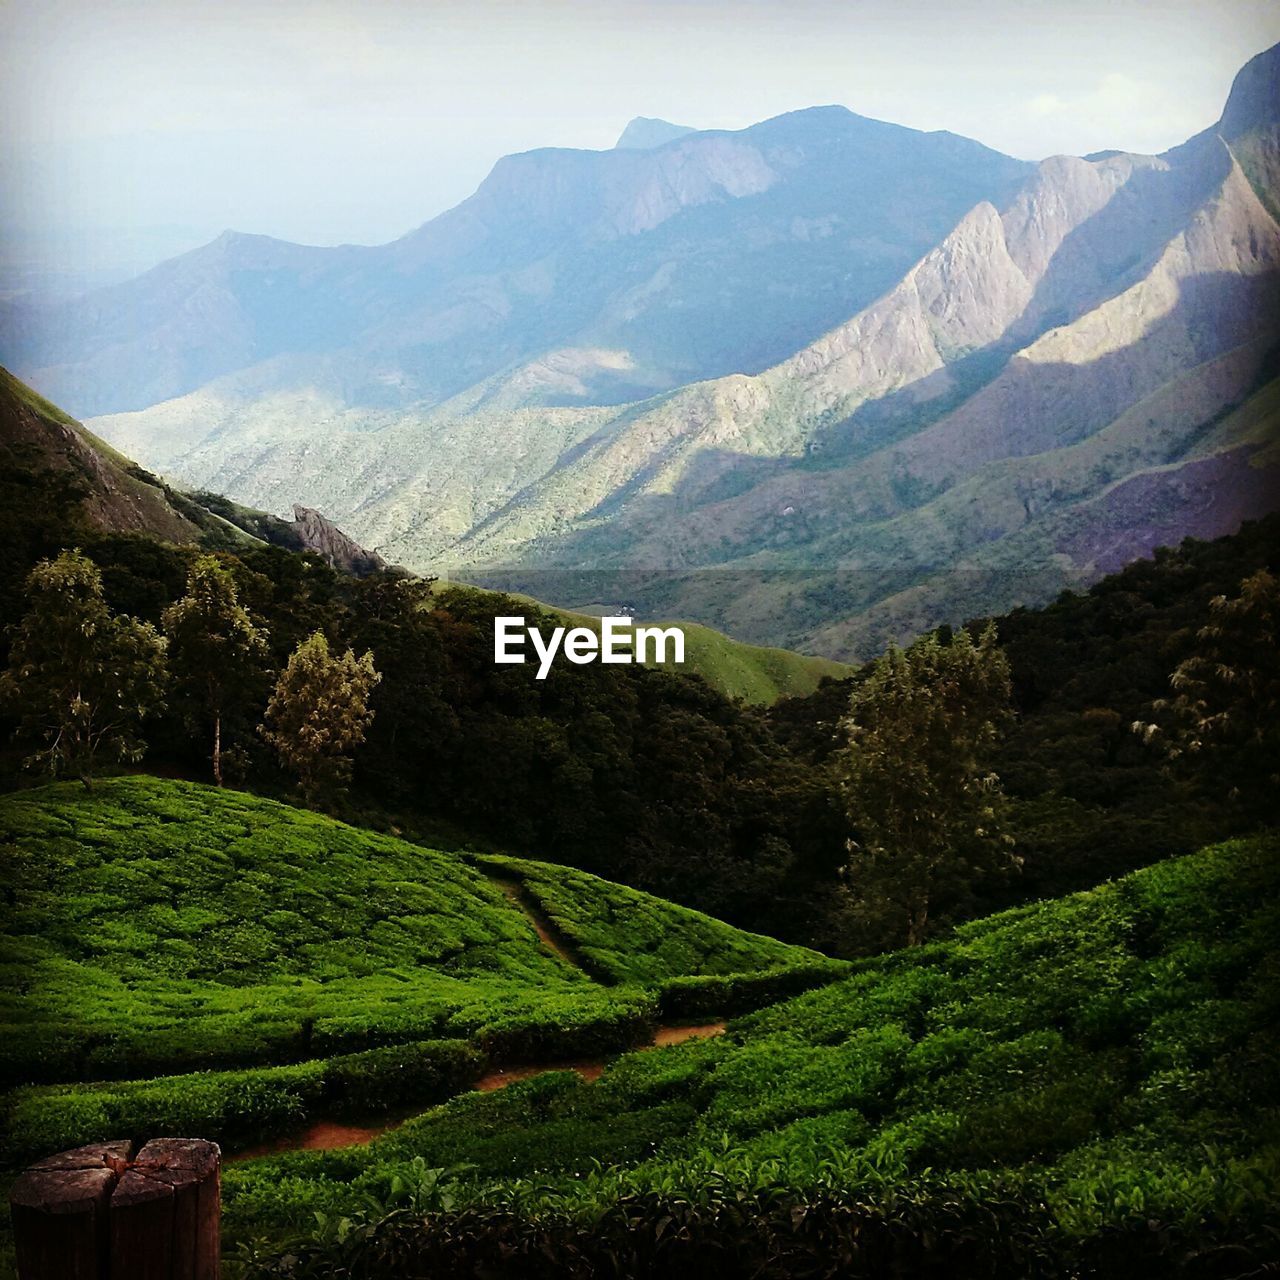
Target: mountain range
column 823, row 382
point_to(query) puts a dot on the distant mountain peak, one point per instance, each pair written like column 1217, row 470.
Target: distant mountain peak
column 646, row 132
column 1254, row 101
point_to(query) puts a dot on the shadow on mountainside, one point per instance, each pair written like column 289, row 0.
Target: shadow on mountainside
column 876, row 517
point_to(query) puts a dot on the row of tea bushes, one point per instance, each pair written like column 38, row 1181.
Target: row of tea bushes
column 238, row 1108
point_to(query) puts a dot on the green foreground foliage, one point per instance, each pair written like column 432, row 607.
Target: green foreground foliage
column 1087, row 1086
column 164, row 929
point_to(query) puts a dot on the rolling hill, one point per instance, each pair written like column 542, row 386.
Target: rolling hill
column 755, row 673
column 1078, row 1087
column 110, row 494
column 158, row 931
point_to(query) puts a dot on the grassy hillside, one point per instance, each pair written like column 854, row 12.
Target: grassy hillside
column 114, row 494
column 628, row 937
column 755, row 673
column 118, row 496
column 752, row 672
column 157, row 928
column 1081, row 1086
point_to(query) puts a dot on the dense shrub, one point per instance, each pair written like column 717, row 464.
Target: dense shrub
column 626, row 939
column 709, row 994
column 382, row 1080
column 1072, row 1088
column 158, row 927
column 238, row 1107
column 998, row 1228
column 226, row 1106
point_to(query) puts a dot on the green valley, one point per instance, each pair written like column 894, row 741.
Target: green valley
column 956, row 960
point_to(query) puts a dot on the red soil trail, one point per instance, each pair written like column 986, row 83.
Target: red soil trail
column 326, row 1135
column 500, row 1077
column 679, row 1034
column 518, row 896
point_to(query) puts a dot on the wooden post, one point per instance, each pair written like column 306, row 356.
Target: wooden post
column 111, row 1211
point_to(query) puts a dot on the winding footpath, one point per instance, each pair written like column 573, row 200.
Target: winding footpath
column 328, row 1135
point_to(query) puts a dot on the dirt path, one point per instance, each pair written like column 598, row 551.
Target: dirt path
column 548, row 935
column 500, row 1077
column 326, row 1135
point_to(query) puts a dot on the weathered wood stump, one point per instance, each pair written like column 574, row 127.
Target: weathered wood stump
column 111, row 1211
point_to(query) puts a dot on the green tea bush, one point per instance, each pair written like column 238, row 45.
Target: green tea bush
column 711, row 994
column 232, row 1107
column 1079, row 1088
column 159, row 928
column 239, row 1107
column 381, row 1080
column 628, row 937
column 557, row 1027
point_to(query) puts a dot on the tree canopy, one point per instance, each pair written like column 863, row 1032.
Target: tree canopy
column 216, row 650
column 923, row 799
column 319, row 714
column 81, row 678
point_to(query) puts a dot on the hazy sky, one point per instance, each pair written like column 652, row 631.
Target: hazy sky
column 132, row 127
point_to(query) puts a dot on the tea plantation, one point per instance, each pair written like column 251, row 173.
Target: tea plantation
column 1089, row 1086
column 178, row 959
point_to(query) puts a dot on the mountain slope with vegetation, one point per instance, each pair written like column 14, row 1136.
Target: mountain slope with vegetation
column 990, row 1102
column 1024, row 406
column 620, row 771
column 111, row 492
column 1071, row 1088
column 64, row 485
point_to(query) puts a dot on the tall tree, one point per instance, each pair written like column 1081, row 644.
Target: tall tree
column 216, row 649
column 921, row 796
column 1225, row 712
column 81, row 679
column 319, row 714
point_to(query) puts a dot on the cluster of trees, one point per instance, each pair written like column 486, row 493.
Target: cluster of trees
column 82, row 680
column 971, row 771
column 1184, row 647
column 1225, row 702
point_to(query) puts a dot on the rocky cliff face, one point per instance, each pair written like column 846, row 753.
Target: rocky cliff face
column 325, row 538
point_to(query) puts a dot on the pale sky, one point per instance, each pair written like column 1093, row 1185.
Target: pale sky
column 138, row 127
